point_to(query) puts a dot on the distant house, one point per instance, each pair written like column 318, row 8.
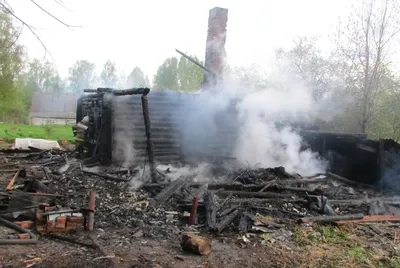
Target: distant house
column 54, row 109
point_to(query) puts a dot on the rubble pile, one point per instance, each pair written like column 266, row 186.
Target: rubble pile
column 239, row 202
column 50, row 192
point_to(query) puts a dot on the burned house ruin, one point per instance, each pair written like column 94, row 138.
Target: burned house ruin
column 117, row 132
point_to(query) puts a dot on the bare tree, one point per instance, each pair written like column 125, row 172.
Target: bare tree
column 305, row 60
column 365, row 45
column 6, row 7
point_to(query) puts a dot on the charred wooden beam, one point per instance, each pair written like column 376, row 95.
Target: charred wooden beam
column 70, row 240
column 105, row 176
column 373, row 218
column 381, row 163
column 210, row 210
column 226, row 221
column 239, row 186
column 132, row 91
column 243, row 223
column 226, row 212
column 358, row 202
column 347, row 181
column 118, row 92
column 255, row 194
column 112, row 262
column 167, row 192
column 333, row 134
column 194, row 62
column 332, row 218
column 150, row 147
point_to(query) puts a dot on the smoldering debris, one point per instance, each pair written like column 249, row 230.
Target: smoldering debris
column 208, row 199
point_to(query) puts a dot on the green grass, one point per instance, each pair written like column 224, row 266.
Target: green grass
column 331, row 246
column 9, row 132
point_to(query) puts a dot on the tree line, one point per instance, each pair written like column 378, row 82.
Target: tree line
column 21, row 77
column 358, row 72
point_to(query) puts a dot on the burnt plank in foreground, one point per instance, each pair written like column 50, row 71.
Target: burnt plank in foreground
column 211, row 211
column 332, row 218
column 168, row 191
column 226, row 221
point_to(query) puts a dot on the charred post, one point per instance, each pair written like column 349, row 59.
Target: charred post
column 193, row 212
column 91, row 206
column 211, row 211
column 150, row 147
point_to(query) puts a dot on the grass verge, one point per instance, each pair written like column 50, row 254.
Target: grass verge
column 331, row 246
column 9, row 132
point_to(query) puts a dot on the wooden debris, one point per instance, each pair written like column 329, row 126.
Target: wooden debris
column 243, row 223
column 332, row 218
column 255, row 194
column 193, row 212
column 167, row 192
column 72, row 241
column 226, row 221
column 10, row 185
column 237, row 186
column 210, row 211
column 374, row 218
column 195, row 243
column 102, row 250
column 347, row 181
column 105, row 176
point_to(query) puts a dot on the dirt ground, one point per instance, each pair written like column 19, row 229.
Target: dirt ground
column 133, row 237
column 308, row 246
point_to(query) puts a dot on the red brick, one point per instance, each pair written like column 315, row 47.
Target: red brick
column 25, row 224
column 76, row 219
column 24, row 236
column 60, row 222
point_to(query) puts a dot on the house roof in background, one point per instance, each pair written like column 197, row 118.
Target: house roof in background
column 51, row 105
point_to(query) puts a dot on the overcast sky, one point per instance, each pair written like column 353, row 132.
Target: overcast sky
column 144, row 33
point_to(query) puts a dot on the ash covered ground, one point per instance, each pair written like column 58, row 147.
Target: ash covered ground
column 256, row 217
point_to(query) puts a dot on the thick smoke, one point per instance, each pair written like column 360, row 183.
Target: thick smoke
column 123, row 135
column 265, row 139
column 258, row 130
column 252, row 121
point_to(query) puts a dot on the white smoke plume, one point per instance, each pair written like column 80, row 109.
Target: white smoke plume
column 123, row 136
column 265, row 113
column 265, row 110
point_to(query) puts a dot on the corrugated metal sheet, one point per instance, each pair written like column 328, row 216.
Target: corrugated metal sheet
column 49, row 105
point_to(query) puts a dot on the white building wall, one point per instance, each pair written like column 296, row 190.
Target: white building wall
column 51, row 121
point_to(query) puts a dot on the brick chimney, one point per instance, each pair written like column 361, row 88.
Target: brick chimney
column 215, row 46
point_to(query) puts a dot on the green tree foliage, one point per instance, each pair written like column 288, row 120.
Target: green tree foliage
column 137, row 79
column 41, row 76
column 81, row 76
column 385, row 123
column 166, row 77
column 181, row 75
column 11, row 65
column 189, row 76
column 109, row 76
